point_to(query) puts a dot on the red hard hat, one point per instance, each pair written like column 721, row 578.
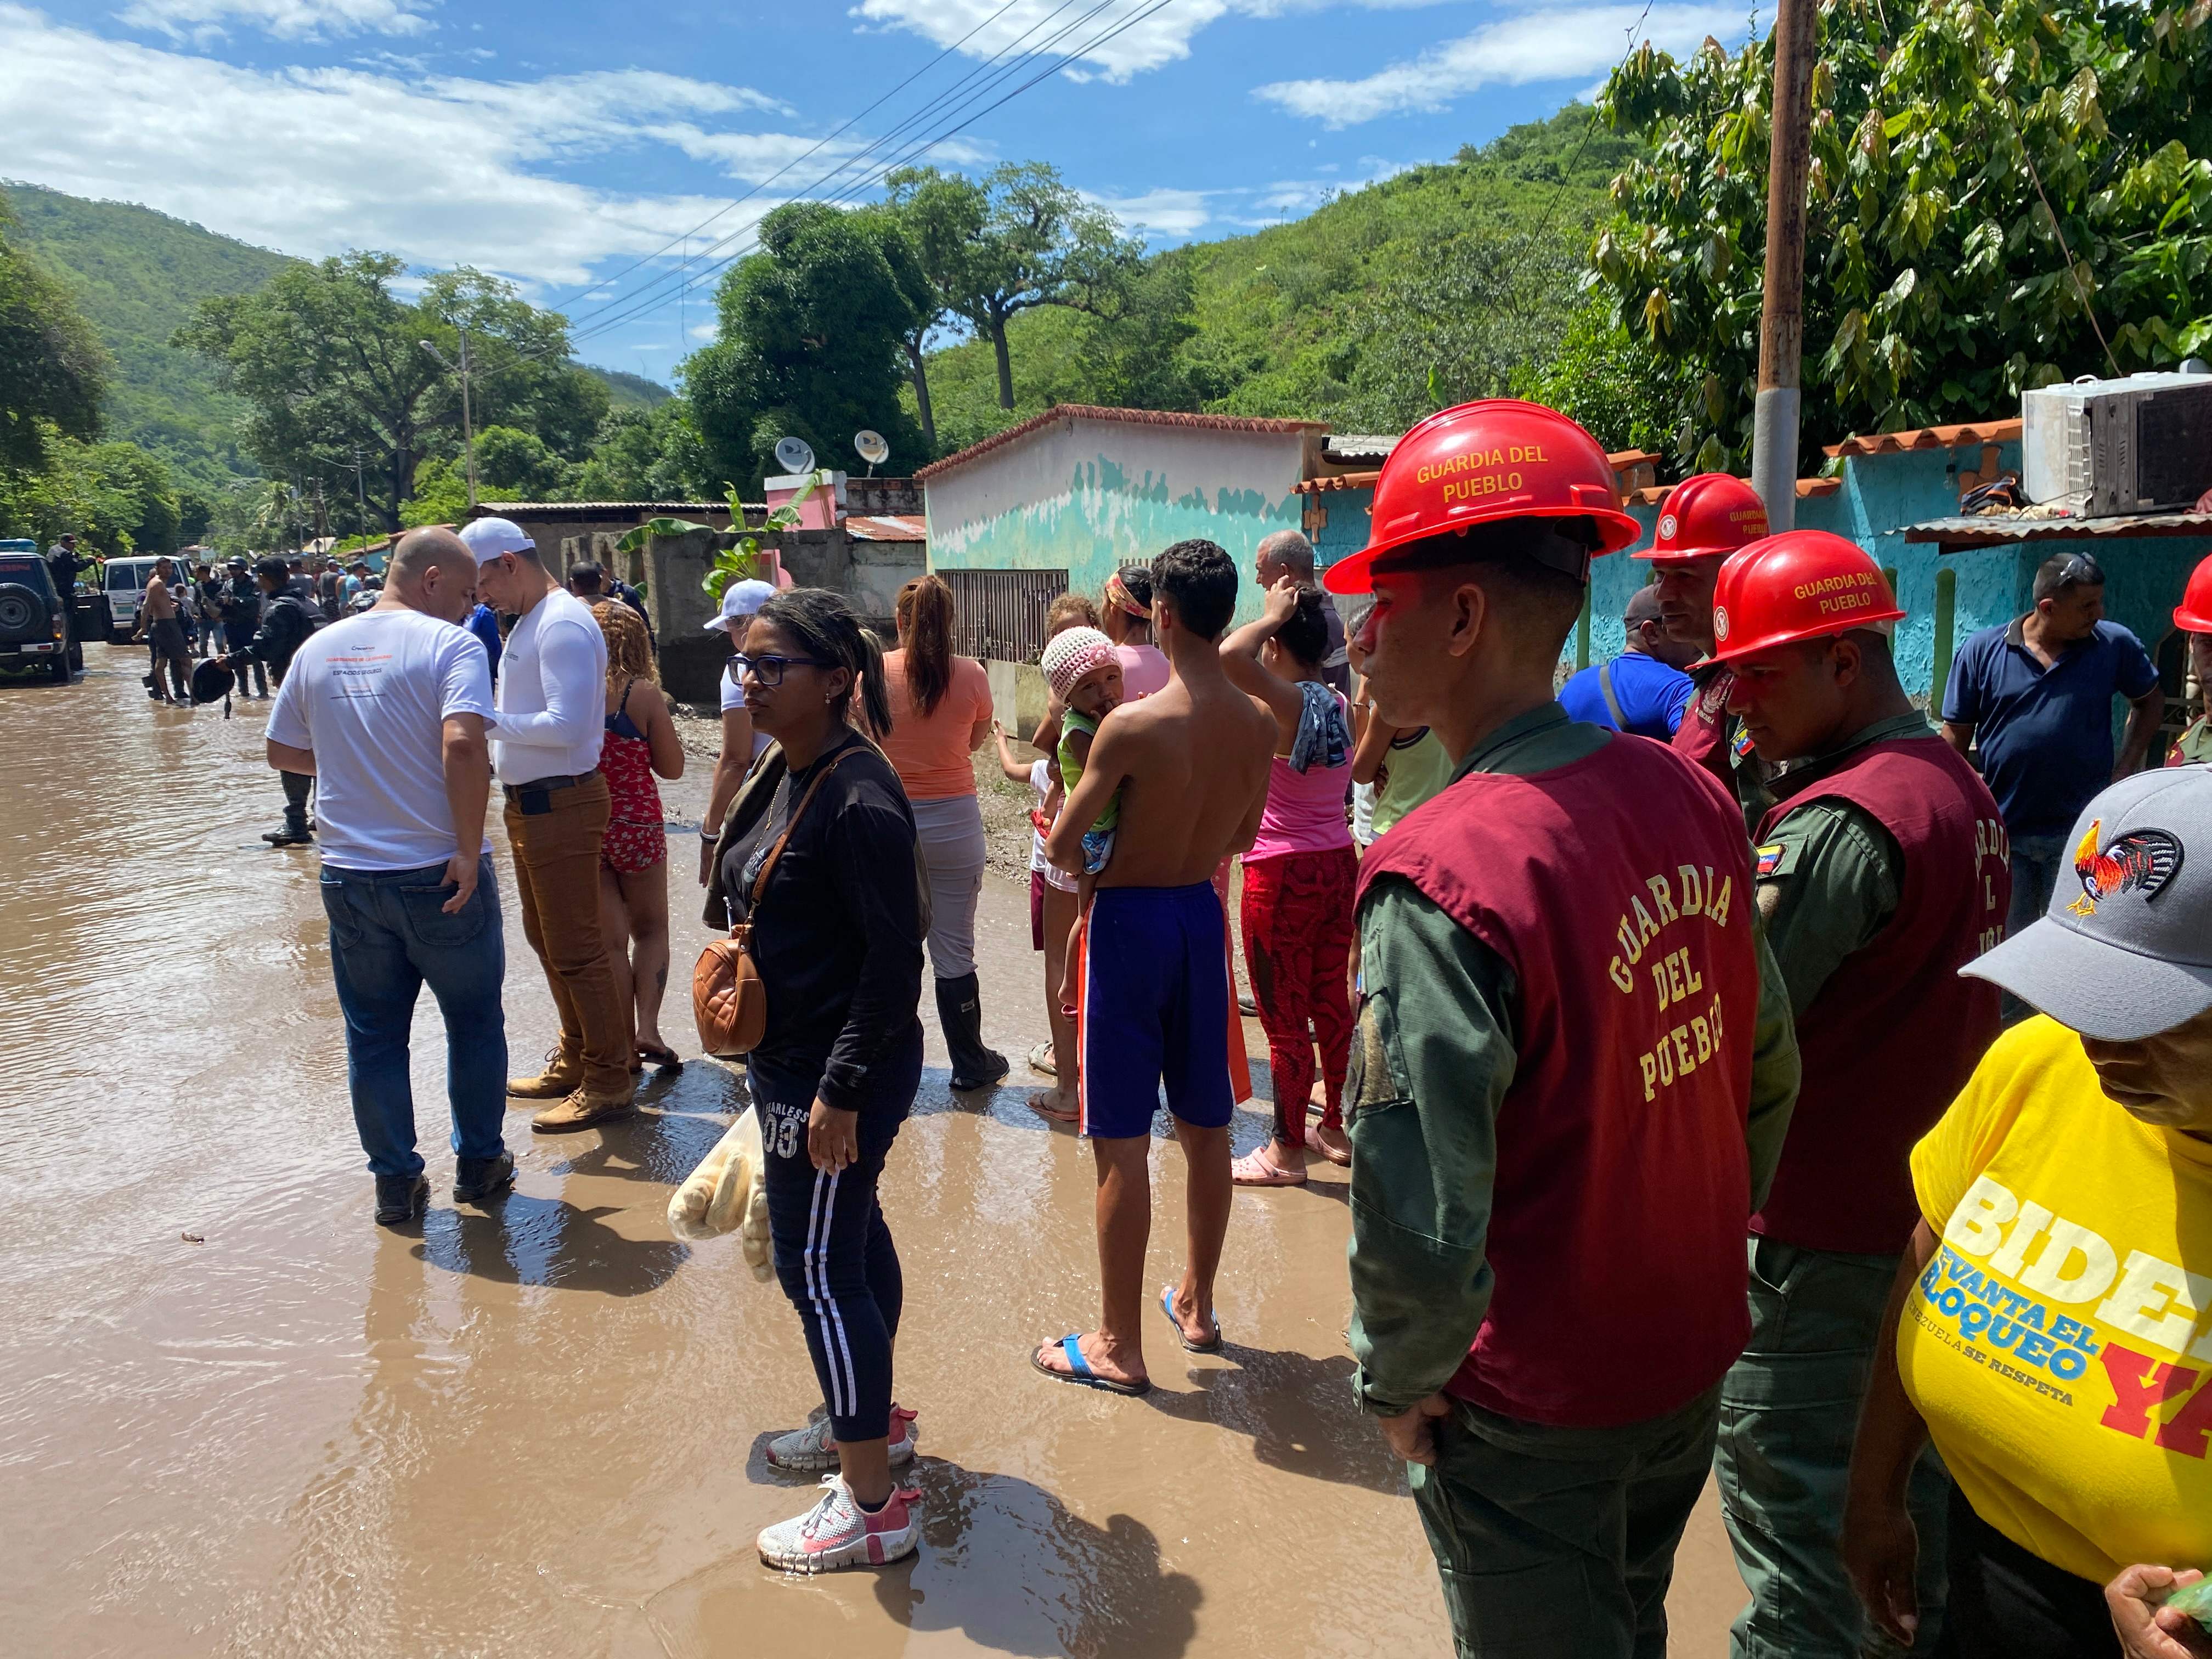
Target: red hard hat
column 1710, row 514
column 1801, row 585
column 2195, row 611
column 1482, row 463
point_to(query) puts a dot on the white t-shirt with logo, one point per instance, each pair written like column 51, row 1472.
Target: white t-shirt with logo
column 552, row 692
column 370, row 697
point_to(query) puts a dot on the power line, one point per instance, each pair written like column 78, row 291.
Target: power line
column 629, row 305
column 827, row 138
column 613, row 316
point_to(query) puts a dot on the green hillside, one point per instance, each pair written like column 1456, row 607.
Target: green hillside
column 137, row 275
column 629, row 391
column 1471, row 268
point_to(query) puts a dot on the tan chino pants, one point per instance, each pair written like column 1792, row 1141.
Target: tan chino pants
column 557, row 872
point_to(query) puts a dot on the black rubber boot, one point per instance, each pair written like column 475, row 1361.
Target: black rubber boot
column 960, row 1010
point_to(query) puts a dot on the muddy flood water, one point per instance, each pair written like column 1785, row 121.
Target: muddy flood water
column 236, row 1418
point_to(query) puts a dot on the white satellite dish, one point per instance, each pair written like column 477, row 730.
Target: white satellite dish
column 794, row 454
column 873, row 450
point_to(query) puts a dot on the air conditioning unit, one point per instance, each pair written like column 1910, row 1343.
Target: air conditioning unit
column 2105, row 448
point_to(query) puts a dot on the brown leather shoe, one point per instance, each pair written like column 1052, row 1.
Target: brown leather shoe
column 561, row 1078
column 579, row 1110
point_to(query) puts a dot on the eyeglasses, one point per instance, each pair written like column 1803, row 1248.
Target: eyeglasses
column 2083, row 569
column 768, row 670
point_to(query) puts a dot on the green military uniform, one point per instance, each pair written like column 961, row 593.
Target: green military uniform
column 1828, row 880
column 1747, row 773
column 2194, row 746
column 1441, row 1043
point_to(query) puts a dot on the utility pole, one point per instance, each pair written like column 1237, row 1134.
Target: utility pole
column 468, row 421
column 361, row 492
column 1782, row 316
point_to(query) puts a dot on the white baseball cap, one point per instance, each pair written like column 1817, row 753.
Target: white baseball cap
column 741, row 599
column 488, row 539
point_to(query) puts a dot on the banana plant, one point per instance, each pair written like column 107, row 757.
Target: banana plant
column 742, row 561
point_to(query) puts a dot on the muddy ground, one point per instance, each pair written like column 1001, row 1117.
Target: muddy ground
column 236, row 1418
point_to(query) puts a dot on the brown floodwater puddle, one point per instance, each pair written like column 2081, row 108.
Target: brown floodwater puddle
column 539, row 1431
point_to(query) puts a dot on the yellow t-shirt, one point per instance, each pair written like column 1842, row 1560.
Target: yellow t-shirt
column 2060, row 1343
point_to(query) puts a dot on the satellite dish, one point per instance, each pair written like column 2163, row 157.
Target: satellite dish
column 794, row 455
column 873, row 450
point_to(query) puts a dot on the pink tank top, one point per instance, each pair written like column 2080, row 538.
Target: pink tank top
column 1304, row 812
column 1144, row 669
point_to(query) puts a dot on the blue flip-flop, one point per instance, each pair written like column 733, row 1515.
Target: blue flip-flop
column 1212, row 1345
column 1072, row 1345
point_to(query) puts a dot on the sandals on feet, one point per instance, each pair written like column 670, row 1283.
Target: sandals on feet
column 666, row 1059
column 1253, row 1170
column 1082, row 1374
column 1212, row 1345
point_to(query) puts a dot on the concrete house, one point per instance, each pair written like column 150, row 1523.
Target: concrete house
column 1063, row 499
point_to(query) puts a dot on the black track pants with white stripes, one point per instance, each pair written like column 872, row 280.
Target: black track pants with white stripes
column 836, row 1259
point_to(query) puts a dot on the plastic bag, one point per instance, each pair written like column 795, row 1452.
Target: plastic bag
column 726, row 1193
column 2196, row 1600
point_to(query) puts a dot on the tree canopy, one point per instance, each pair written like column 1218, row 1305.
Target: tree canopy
column 332, row 363
column 53, row 371
column 2001, row 195
column 810, row 346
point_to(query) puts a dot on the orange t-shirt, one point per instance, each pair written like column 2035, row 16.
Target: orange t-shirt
column 930, row 752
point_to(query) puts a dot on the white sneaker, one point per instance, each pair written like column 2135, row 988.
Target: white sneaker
column 838, row 1533
column 804, row 1451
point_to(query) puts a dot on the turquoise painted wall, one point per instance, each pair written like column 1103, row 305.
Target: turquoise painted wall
column 1106, row 516
column 1881, row 495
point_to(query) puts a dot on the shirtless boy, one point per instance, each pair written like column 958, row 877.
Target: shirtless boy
column 1190, row 762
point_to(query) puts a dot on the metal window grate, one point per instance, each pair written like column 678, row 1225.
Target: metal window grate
column 998, row 614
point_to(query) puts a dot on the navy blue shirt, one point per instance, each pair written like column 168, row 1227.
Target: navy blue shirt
column 2045, row 734
column 1652, row 696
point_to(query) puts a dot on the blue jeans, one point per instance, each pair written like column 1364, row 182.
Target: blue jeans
column 388, row 938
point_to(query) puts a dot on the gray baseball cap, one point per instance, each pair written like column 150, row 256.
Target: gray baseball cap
column 2125, row 950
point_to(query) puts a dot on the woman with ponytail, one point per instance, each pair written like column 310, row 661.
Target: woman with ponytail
column 940, row 715
column 818, row 854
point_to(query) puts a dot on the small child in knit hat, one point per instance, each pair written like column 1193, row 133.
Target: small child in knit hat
column 1084, row 673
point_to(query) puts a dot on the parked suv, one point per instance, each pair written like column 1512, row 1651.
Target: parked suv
column 33, row 633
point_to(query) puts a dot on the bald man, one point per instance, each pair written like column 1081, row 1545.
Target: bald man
column 387, row 710
column 1643, row 689
column 1288, row 553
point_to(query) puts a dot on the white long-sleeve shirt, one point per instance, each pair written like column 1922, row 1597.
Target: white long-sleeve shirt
column 551, row 697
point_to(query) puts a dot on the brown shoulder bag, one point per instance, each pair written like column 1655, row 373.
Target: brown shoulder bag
column 729, row 999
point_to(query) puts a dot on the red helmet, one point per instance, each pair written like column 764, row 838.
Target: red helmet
column 1482, row 462
column 1801, row 585
column 1710, row 514
column 2194, row 610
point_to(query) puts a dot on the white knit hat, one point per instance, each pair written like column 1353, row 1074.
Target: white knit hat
column 1071, row 653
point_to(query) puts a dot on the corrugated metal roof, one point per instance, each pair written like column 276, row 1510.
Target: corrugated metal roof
column 1930, row 437
column 1094, row 412
column 872, row 528
column 1358, row 445
column 2003, row 529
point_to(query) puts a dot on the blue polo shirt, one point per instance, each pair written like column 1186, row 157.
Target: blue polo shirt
column 2045, row 734
column 1651, row 695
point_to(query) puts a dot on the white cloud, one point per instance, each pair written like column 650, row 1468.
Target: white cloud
column 1047, row 28
column 1161, row 210
column 287, row 19
column 1551, row 44
column 315, row 162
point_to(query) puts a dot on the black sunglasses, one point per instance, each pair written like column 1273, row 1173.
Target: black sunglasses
column 767, row 670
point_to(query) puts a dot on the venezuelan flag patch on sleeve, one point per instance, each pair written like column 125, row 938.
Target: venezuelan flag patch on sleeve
column 1770, row 858
column 1742, row 747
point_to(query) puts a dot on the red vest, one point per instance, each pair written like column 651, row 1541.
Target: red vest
column 1895, row 1033
column 1617, row 889
column 1702, row 735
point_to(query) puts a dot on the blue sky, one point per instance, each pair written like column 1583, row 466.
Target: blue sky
column 558, row 143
